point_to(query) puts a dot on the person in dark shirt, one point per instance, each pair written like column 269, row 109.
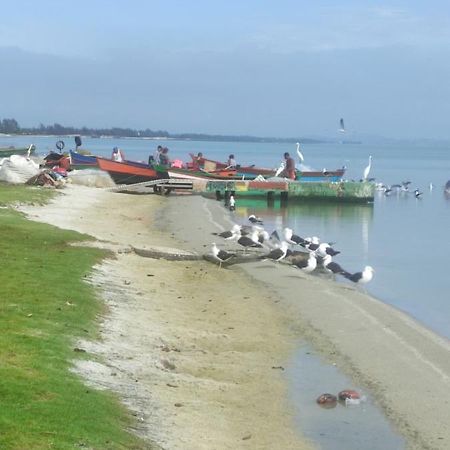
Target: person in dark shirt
column 231, row 163
column 289, row 169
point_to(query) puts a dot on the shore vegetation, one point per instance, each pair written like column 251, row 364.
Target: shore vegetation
column 45, row 307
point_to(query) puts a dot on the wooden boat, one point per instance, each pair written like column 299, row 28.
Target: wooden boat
column 5, row 152
column 251, row 172
column 80, row 161
column 186, row 174
column 130, row 172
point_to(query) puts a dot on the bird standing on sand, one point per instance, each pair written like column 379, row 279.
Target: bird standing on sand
column 361, row 277
column 277, row 254
column 250, row 241
column 332, row 267
column 308, row 264
column 221, row 255
column 292, row 238
column 325, row 249
column 231, row 234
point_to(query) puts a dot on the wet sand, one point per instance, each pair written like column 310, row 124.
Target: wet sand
column 197, row 352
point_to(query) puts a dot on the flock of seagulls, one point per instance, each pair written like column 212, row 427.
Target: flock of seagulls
column 304, row 253
column 400, row 188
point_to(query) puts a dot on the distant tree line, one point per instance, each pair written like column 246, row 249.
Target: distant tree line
column 11, row 126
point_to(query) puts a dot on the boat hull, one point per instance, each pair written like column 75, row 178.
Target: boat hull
column 80, row 161
column 352, row 192
column 6, row 152
column 129, row 172
column 251, row 172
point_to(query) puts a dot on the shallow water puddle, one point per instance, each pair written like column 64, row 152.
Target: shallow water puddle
column 343, row 427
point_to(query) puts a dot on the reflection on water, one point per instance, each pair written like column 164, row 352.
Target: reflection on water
column 330, row 221
column 330, row 210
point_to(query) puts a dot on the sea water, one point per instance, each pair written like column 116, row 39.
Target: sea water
column 406, row 239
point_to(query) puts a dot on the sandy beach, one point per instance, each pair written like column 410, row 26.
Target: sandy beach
column 197, row 352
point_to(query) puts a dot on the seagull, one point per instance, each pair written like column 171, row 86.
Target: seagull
column 278, row 253
column 253, row 219
column 367, row 169
column 221, row 255
column 417, row 193
column 325, row 249
column 293, row 238
column 312, row 243
column 331, row 267
column 263, row 236
column 307, row 265
column 361, row 277
column 252, row 241
column 231, row 234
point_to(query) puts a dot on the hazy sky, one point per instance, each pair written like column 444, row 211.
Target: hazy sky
column 266, row 68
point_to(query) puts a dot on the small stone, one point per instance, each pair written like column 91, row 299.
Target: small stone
column 178, row 405
column 80, row 350
column 247, row 437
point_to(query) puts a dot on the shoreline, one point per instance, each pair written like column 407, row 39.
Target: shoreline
column 198, row 370
column 405, row 366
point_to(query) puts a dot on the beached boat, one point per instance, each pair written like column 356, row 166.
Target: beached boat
column 251, row 172
column 189, row 174
column 5, row 152
column 130, row 172
column 80, row 161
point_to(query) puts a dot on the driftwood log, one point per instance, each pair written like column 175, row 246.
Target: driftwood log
column 169, row 254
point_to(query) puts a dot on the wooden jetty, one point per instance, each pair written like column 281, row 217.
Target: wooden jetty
column 342, row 191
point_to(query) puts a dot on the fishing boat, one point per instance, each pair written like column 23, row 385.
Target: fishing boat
column 81, row 161
column 5, row 152
column 200, row 174
column 251, row 172
column 130, row 172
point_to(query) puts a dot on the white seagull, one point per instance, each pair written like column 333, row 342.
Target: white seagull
column 221, row 255
column 277, row 254
column 362, row 277
column 307, row 265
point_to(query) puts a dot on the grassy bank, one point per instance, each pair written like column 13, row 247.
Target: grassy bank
column 44, row 308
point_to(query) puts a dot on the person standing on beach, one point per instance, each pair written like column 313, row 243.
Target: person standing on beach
column 289, row 170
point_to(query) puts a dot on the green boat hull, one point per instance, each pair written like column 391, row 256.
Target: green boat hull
column 345, row 191
column 6, row 152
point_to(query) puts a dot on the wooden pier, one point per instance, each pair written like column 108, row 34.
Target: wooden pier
column 341, row 191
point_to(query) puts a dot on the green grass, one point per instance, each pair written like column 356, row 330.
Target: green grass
column 11, row 193
column 42, row 404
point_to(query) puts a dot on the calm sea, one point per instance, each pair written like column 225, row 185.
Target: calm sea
column 404, row 238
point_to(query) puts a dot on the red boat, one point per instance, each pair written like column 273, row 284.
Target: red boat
column 250, row 172
column 128, row 172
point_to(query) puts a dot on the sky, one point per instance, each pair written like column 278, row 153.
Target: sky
column 255, row 67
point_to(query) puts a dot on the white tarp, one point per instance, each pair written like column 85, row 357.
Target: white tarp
column 17, row 169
